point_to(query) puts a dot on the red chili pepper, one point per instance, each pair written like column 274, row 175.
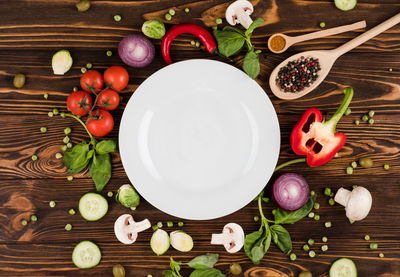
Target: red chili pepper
column 317, row 138
column 186, row 28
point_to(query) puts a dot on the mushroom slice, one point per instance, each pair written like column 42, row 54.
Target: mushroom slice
column 232, row 237
column 239, row 12
column 357, row 202
column 126, row 229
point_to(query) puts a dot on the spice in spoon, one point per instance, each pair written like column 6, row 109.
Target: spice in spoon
column 278, row 43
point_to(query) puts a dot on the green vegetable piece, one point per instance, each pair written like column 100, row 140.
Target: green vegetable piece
column 153, row 28
column 71, row 211
column 154, row 227
column 159, row 224
column 171, row 12
column 100, row 170
column 322, row 24
column 317, row 217
column 371, row 113
column 293, row 257
column 312, row 193
column 305, row 274
column 46, row 96
column 59, row 155
column 290, row 217
column 310, row 242
column 68, row 227
column 106, row 146
column 55, row 111
column 197, row 44
column 52, row 204
column 364, row 118
column 62, row 115
column 306, row 247
column 128, row 197
column 336, row 155
column 381, row 255
column 281, row 238
column 109, row 53
column 70, row 178
column 218, row 21
column 229, row 41
column 89, row 65
column 168, row 16
column 24, row 222
column 324, row 247
column 345, row 5
column 69, row 145
column 347, row 112
column 34, row 157
column 311, row 215
column 311, row 254
column 19, row 80
column 351, row 221
column 50, row 114
column 204, row 261
column 316, row 206
column 357, row 122
column 192, row 42
column 324, row 239
column 331, row 201
column 256, row 218
column 118, row 271
column 61, row 62
column 251, row 64
column 349, row 170
column 67, row 131
column 327, row 191
column 117, row 18
column 371, row 121
column 328, row 224
column 34, row 218
column 160, row 242
column 187, row 10
column 235, row 268
column 386, row 167
column 180, row 224
column 83, row 69
column 366, row 162
column 83, row 5
column 75, row 89
column 110, row 194
column 373, row 245
column 64, row 148
column 353, row 164
column 170, row 224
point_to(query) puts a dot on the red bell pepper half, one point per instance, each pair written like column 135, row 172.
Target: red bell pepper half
column 316, row 138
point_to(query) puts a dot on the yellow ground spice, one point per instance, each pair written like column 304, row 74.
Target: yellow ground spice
column 278, row 43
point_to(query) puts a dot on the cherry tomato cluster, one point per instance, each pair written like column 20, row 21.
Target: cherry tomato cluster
column 100, row 122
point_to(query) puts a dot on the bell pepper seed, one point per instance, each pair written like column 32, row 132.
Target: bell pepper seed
column 381, row 255
column 322, row 24
column 75, row 89
column 364, row 118
column 33, row 218
column 24, row 222
column 324, row 239
column 310, row 242
column 256, row 218
column 34, row 157
column 324, row 247
column 311, row 254
column 170, row 224
column 347, row 112
column 331, row 201
column 386, row 167
column 371, row 113
column 353, row 164
column 306, row 247
column 180, row 223
column 59, row 155
column 187, row 10
column 328, row 224
column 109, row 53
column 50, row 114
column 159, row 224
column 218, row 21
column 168, row 16
column 67, row 131
column 349, row 170
column 70, row 178
column 69, row 145
column 311, row 215
column 52, row 204
column 89, row 65
column 327, row 191
column 171, row 12
column 316, row 217
column 154, row 227
column 46, row 96
column 367, row 237
column 371, row 121
column 43, row 129
column 357, row 122
column 373, row 245
column 316, row 206
column 117, row 17
column 71, row 211
column 68, row 227
column 293, row 257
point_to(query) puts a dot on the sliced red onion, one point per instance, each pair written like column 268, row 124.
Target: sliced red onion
column 136, row 50
column 290, row 191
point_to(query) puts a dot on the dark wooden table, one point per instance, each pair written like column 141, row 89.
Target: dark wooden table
column 31, row 32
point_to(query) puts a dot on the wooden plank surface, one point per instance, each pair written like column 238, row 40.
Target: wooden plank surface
column 31, row 31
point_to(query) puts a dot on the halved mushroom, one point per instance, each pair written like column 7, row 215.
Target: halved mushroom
column 232, row 237
column 357, row 202
column 126, row 229
column 239, row 12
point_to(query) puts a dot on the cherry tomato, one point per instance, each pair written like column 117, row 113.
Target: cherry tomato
column 92, row 79
column 101, row 123
column 108, row 100
column 79, row 102
column 117, row 76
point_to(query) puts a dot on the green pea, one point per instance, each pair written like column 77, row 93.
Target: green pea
column 367, row 237
column 373, row 245
column 357, row 122
column 46, row 96
column 218, row 21
column 71, row 211
column 19, row 80
column 70, row 178
column 83, row 5
column 311, row 254
column 83, row 69
column 75, row 89
column 170, row 224
column 154, row 227
column 117, row 18
column 168, row 16
column 328, row 224
column 316, row 206
column 324, row 239
column 235, row 268
column 159, row 224
column 68, row 227
column 311, row 215
column 310, row 242
column 364, row 118
column 52, row 204
column 110, row 194
column 171, row 12
column 55, row 111
column 351, row 221
column 64, row 148
column 349, row 170
column 386, row 167
column 305, row 274
column 50, row 114
column 118, row 270
column 322, row 24
column 43, row 129
column 214, row 28
column 59, row 155
column 324, row 248
column 66, row 139
column 336, row 155
column 62, row 115
column 293, row 257
column 327, row 191
column 34, row 157
column 69, row 145
column 180, row 223
column 312, row 193
column 347, row 112
column 371, row 113
column 33, row 218
column 193, row 42
column 354, row 186
column 67, row 131
column 197, row 44
column 24, row 222
column 331, row 201
column 187, row 10
column 371, row 121
column 316, row 217
column 256, row 218
column 109, row 53
column 381, row 255
column 306, row 247
column 89, row 65
column 353, row 164
column 366, row 162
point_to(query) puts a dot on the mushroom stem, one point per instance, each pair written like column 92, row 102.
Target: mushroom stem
column 136, row 227
column 222, row 238
column 342, row 196
column 245, row 19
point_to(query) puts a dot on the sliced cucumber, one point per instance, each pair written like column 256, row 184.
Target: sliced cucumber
column 343, row 268
column 345, row 5
column 181, row 241
column 93, row 206
column 61, row 62
column 86, row 254
column 159, row 242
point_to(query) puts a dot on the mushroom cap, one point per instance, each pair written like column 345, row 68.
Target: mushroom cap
column 122, row 230
column 237, row 234
column 359, row 204
column 232, row 11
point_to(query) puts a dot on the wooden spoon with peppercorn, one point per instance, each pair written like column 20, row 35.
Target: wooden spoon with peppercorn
column 301, row 73
column 279, row 43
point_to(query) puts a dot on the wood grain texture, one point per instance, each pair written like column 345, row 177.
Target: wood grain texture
column 31, row 31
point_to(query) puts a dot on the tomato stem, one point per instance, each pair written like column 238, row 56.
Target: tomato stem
column 92, row 139
column 108, row 86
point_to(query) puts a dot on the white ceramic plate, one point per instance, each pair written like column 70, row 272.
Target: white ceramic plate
column 199, row 139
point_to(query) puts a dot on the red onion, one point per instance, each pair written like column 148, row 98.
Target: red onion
column 290, row 191
column 136, row 51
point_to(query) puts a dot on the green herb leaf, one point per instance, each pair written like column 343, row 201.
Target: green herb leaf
column 106, row 146
column 229, row 42
column 209, row 272
column 265, row 199
column 286, row 217
column 251, row 64
column 169, row 273
column 77, row 158
column 282, row 238
column 253, row 25
column 204, row 261
column 100, row 170
column 257, row 244
column 233, row 29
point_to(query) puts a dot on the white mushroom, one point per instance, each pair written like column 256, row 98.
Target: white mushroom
column 239, row 12
column 232, row 237
column 357, row 202
column 126, row 229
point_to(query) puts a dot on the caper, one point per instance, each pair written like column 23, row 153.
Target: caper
column 305, row 274
column 235, row 268
column 118, row 271
column 366, row 162
column 19, row 80
column 83, row 5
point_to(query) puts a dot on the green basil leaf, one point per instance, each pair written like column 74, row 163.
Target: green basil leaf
column 106, row 146
column 251, row 64
column 209, row 272
column 290, row 217
column 77, row 159
column 265, row 199
column 282, row 238
column 100, row 170
column 233, row 29
column 169, row 273
column 253, row 25
column 251, row 239
column 267, row 242
column 204, row 261
column 229, row 42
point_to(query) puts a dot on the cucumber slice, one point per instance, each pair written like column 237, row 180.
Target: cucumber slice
column 343, row 268
column 93, row 206
column 159, row 242
column 86, row 254
column 61, row 62
column 345, row 5
column 181, row 241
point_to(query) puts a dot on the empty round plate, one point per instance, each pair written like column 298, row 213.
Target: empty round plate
column 199, row 139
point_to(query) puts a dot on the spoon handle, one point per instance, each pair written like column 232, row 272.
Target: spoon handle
column 330, row 32
column 367, row 35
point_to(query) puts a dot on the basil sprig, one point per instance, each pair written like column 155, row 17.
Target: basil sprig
column 203, row 267
column 232, row 40
column 257, row 243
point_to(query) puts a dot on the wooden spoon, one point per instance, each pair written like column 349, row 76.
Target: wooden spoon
column 326, row 59
column 289, row 41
